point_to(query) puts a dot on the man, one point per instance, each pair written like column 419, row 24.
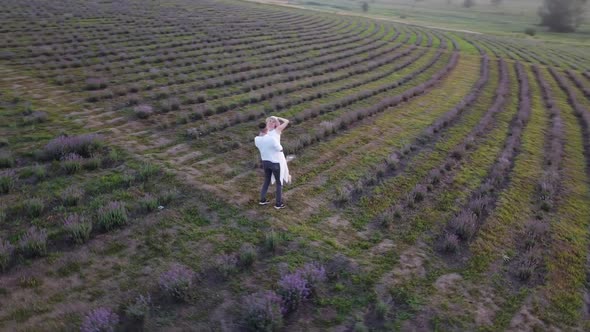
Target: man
column 270, row 153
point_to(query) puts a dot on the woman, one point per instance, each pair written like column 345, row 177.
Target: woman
column 275, row 129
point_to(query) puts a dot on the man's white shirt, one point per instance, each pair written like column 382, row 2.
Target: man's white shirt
column 269, row 147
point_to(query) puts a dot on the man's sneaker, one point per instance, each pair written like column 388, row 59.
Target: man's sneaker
column 266, row 201
column 278, row 207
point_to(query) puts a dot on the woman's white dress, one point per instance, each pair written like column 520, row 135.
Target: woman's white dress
column 285, row 176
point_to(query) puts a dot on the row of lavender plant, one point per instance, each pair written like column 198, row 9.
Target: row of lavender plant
column 195, row 54
column 436, row 176
column 342, row 50
column 150, row 34
column 82, row 45
column 465, row 224
column 269, row 51
column 181, row 58
column 527, row 265
column 579, row 83
column 581, row 112
column 278, row 103
column 397, row 161
column 344, row 121
column 260, row 79
column 250, row 72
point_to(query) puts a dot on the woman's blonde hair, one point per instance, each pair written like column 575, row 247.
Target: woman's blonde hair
column 271, row 118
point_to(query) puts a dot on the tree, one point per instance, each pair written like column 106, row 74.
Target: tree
column 562, row 15
column 365, row 6
column 468, row 3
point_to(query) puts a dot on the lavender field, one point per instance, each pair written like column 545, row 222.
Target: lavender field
column 441, row 179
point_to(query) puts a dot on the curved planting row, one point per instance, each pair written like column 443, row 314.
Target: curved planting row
column 435, row 176
column 138, row 52
column 243, row 72
column 344, row 121
column 190, row 56
column 82, row 39
column 396, row 162
column 581, row 112
column 205, row 111
column 528, row 263
column 579, row 83
column 463, row 227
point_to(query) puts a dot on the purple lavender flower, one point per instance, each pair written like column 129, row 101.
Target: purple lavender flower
column 262, row 311
column 100, row 320
column 294, row 289
column 83, row 145
column 177, row 281
column 314, row 273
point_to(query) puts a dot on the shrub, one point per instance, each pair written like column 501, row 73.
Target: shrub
column 293, row 290
column 143, row 111
column 381, row 309
column 71, row 196
column 37, row 171
column 6, row 253
column 92, row 163
column 314, row 274
column 6, row 160
column 147, row 171
column 71, row 163
column 479, row 205
column 77, row 228
column 7, row 181
column 418, row 194
column 140, row 307
column 530, row 31
column 84, row 145
column 526, row 266
column 464, row 225
column 226, row 264
column 177, row 282
column 272, row 240
column 262, row 311
column 247, row 255
column 434, row 176
column 112, row 215
column 450, row 242
column 148, row 203
column 338, row 266
column 168, row 196
column 35, row 117
column 100, row 320
column 34, row 242
column 343, row 194
column 535, row 233
column 33, row 207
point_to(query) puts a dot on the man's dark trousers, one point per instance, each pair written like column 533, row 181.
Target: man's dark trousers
column 271, row 169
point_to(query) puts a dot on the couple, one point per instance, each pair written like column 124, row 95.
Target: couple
column 274, row 163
